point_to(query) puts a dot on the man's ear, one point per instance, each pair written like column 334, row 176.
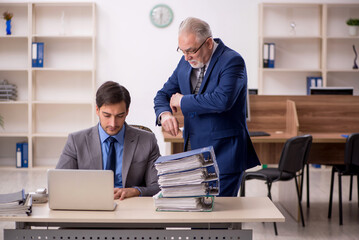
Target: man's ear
column 210, row 43
column 97, row 111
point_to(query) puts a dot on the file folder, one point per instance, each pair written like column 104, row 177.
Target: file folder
column 37, row 54
column 265, row 55
column 22, row 156
column 271, row 62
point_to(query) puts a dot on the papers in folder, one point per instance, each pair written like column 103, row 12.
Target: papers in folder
column 15, row 204
column 188, row 181
column 190, row 204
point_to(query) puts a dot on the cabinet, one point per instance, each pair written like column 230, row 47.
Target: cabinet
column 310, row 40
column 58, row 98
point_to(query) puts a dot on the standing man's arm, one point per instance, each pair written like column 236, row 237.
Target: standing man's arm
column 164, row 116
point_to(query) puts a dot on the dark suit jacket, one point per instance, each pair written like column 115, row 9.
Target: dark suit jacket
column 140, row 151
column 216, row 115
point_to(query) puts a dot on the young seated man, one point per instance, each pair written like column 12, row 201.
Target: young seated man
column 114, row 145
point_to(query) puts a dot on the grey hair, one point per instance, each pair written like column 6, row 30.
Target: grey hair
column 200, row 28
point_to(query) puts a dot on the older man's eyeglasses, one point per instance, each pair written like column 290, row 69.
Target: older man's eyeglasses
column 191, row 52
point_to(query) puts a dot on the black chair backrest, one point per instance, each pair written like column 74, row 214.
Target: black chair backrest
column 295, row 154
column 352, row 150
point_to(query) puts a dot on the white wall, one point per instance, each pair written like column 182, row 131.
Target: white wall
column 141, row 57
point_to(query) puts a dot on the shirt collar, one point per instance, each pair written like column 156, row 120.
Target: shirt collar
column 120, row 136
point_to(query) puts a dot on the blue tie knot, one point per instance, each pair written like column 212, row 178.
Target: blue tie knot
column 111, row 139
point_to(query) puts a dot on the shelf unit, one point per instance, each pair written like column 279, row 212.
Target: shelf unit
column 318, row 45
column 58, row 98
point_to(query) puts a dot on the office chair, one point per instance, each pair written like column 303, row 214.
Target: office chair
column 141, row 127
column 350, row 168
column 302, row 180
column 293, row 158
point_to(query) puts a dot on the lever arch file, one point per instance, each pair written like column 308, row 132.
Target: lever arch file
column 188, row 181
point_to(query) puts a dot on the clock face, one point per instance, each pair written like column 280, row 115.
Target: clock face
column 161, row 15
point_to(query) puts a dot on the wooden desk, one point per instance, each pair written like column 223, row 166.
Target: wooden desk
column 136, row 217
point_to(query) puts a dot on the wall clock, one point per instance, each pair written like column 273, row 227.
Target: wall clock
column 161, row 15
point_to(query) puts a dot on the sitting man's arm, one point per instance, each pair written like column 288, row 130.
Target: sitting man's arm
column 68, row 158
column 142, row 179
column 122, row 193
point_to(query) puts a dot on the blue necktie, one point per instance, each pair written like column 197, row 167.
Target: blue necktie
column 111, row 157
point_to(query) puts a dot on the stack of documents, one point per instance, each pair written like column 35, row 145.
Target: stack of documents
column 187, row 204
column 15, row 204
column 188, row 181
column 7, row 91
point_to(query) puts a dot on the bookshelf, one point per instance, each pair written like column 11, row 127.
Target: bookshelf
column 58, row 98
column 318, row 45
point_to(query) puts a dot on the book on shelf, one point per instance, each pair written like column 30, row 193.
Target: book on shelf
column 188, row 181
column 15, row 204
column 37, row 54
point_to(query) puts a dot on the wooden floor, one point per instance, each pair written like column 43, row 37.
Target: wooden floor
column 318, row 226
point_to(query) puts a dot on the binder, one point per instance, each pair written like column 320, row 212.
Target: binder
column 188, row 181
column 319, row 82
column 37, row 54
column 22, row 156
column 313, row 82
column 188, row 204
column 15, row 204
column 265, row 55
column 271, row 62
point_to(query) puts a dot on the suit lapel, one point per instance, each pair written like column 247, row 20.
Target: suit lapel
column 129, row 146
column 94, row 148
column 213, row 62
column 187, row 83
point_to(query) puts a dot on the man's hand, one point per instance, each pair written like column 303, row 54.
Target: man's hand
column 122, row 193
column 169, row 123
column 175, row 102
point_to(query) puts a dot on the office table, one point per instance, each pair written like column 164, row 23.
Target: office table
column 136, row 218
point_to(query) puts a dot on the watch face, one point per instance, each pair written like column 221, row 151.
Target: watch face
column 161, row 15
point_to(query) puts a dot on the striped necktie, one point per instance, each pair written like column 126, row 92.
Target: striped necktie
column 195, row 91
column 200, row 79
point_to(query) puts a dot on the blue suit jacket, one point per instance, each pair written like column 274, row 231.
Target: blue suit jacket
column 216, row 115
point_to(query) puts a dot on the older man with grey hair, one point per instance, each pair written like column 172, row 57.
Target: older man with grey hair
column 209, row 86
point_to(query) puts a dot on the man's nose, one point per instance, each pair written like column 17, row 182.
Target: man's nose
column 112, row 121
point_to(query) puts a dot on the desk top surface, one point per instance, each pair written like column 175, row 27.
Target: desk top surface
column 142, row 210
column 276, row 137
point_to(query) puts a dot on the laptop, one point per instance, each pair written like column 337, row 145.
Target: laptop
column 80, row 189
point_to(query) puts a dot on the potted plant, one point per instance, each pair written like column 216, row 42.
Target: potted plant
column 7, row 16
column 353, row 24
